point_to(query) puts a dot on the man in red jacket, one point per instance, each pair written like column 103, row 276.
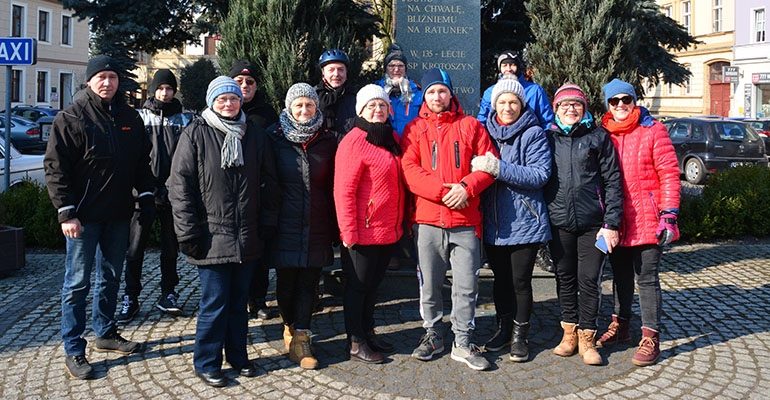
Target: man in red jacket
column 437, row 150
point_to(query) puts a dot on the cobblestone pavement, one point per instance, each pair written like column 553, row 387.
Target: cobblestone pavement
column 716, row 342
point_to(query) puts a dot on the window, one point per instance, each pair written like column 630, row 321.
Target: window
column 717, row 20
column 686, row 16
column 670, row 88
column 43, row 26
column 17, row 21
column 66, row 30
column 668, row 11
column 42, row 86
column 16, row 84
column 759, row 25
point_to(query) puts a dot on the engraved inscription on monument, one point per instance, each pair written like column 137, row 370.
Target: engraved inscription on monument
column 443, row 34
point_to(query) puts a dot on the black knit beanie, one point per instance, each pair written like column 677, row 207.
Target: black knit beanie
column 100, row 63
column 243, row 67
column 394, row 53
column 162, row 76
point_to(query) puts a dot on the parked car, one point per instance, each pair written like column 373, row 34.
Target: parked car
column 662, row 118
column 705, row 145
column 32, row 113
column 25, row 135
column 762, row 126
column 23, row 167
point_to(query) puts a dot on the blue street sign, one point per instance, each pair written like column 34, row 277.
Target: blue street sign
column 18, row 51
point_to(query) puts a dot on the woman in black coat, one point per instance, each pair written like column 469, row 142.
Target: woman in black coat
column 223, row 193
column 302, row 245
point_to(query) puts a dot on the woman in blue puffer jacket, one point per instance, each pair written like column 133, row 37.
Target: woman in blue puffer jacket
column 515, row 213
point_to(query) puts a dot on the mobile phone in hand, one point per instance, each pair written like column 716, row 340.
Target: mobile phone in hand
column 601, row 244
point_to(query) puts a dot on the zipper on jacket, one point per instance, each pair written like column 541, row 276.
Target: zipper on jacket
column 599, row 197
column 457, row 155
column 531, row 209
column 434, row 156
column 85, row 193
column 369, row 212
column 655, row 207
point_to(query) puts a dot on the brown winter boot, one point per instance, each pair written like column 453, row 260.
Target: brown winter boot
column 569, row 343
column 616, row 333
column 300, row 350
column 586, row 347
column 649, row 348
column 288, row 332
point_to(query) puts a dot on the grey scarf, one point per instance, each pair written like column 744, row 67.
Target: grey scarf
column 401, row 86
column 300, row 132
column 232, row 152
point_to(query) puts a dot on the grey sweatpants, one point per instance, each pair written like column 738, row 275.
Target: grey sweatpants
column 460, row 249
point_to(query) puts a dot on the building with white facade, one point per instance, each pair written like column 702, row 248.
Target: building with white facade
column 62, row 52
column 752, row 59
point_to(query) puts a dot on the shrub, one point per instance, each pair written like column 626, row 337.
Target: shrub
column 734, row 202
column 28, row 206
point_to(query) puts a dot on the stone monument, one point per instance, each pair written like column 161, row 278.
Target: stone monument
column 443, row 34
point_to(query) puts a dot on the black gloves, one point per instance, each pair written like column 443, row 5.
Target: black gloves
column 146, row 210
column 195, row 248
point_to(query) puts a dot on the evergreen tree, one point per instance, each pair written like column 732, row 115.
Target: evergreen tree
column 193, row 83
column 590, row 42
column 122, row 28
column 284, row 39
column 504, row 26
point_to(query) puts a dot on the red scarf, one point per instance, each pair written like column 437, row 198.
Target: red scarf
column 624, row 127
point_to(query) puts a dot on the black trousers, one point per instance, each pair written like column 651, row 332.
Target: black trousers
column 260, row 280
column 295, row 291
column 169, row 250
column 363, row 277
column 512, row 288
column 579, row 265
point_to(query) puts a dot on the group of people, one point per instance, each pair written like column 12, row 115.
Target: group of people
column 240, row 189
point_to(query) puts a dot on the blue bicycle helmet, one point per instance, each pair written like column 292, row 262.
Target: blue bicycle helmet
column 333, row 55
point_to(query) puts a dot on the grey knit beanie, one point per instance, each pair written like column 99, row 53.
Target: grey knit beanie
column 509, row 84
column 369, row 93
column 298, row 90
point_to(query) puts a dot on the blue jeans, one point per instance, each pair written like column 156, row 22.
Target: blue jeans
column 105, row 243
column 223, row 320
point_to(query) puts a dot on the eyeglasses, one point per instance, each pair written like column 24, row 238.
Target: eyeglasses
column 222, row 100
column 567, row 106
column 375, row 105
column 248, row 81
column 615, row 100
column 396, row 66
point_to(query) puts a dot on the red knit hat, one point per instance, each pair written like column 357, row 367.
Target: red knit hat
column 569, row 91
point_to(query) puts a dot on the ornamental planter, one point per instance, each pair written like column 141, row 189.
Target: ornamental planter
column 11, row 249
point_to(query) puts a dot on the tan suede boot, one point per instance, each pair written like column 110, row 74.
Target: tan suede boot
column 569, row 343
column 587, row 347
column 300, row 350
column 288, row 332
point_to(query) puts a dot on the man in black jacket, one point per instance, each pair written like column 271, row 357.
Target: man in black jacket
column 163, row 121
column 262, row 115
column 97, row 154
column 337, row 99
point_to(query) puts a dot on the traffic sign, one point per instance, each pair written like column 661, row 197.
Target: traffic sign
column 18, row 51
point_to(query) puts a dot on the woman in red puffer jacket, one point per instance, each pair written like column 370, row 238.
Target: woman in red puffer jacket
column 651, row 192
column 369, row 198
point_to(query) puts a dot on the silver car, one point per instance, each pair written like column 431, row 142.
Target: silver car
column 23, row 166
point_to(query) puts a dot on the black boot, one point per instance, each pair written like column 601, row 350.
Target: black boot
column 502, row 337
column 519, row 350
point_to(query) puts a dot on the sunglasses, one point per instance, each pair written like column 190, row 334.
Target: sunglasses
column 615, row 100
column 247, row 80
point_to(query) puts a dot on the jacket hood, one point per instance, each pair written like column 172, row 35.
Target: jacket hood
column 506, row 132
column 645, row 118
column 158, row 107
